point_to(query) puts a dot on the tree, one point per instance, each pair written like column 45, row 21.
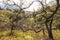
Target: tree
column 49, row 19
column 15, row 17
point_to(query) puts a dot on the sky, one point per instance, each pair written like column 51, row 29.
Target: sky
column 33, row 7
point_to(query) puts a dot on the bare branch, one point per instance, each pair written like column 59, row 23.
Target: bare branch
column 28, row 6
column 57, row 1
column 54, row 12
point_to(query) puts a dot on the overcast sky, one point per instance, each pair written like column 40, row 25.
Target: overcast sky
column 35, row 5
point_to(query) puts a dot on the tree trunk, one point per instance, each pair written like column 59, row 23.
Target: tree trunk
column 43, row 31
column 49, row 29
column 50, row 34
column 12, row 28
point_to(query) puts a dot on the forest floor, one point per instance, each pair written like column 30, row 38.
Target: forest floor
column 29, row 35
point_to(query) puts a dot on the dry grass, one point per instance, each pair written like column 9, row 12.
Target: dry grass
column 29, row 35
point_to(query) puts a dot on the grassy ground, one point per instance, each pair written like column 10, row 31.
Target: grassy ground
column 29, row 35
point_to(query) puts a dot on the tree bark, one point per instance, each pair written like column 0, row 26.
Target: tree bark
column 49, row 29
